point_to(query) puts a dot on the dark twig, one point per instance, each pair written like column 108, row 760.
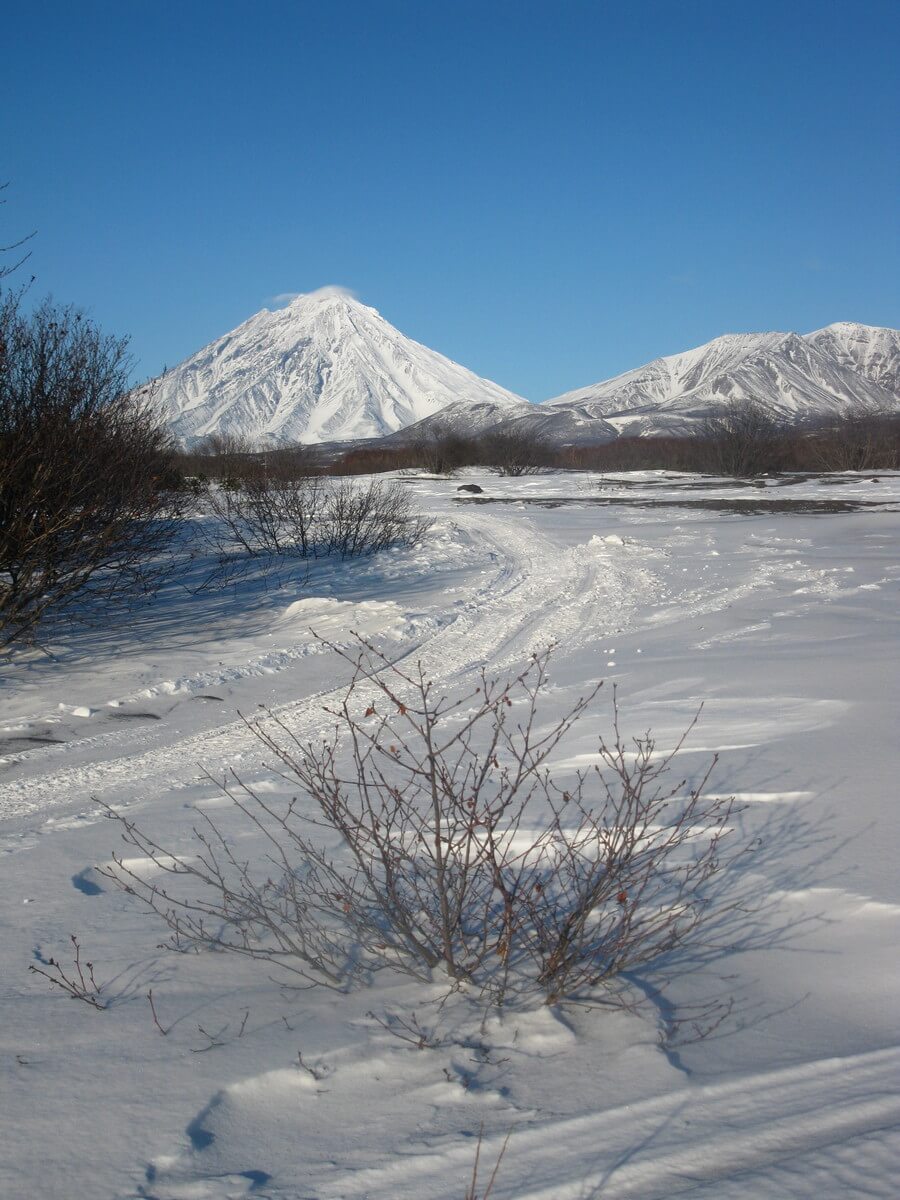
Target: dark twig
column 164, row 1032
column 80, row 983
column 472, row 1190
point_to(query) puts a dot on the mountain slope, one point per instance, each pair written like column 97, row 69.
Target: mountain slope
column 463, row 418
column 325, row 368
column 794, row 376
column 872, row 351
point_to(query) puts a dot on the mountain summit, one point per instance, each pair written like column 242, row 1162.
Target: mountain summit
column 324, row 368
column 793, row 375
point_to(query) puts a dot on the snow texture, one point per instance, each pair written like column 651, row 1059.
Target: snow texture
column 324, row 368
column 774, row 606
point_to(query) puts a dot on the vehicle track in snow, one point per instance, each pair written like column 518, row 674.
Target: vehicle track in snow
column 536, row 592
column 716, row 1140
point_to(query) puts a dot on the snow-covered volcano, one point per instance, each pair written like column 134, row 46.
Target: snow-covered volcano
column 794, row 375
column 325, row 368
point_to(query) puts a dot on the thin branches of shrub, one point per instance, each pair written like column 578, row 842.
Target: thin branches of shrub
column 363, row 519
column 515, row 451
column 428, row 834
column 313, row 517
column 85, row 508
column 77, row 981
column 742, row 438
column 473, row 1191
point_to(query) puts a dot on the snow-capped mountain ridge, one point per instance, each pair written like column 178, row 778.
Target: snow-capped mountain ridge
column 872, row 351
column 711, row 368
column 327, row 368
column 323, row 368
column 794, row 375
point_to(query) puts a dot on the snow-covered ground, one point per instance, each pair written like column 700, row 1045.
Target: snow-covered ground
column 776, row 606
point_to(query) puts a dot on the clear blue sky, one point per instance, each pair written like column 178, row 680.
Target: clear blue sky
column 549, row 193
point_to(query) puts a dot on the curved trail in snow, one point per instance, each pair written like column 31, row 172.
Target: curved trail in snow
column 733, row 1139
column 537, row 593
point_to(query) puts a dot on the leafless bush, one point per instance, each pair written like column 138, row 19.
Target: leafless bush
column 79, row 982
column 216, row 457
column 314, row 517
column 84, row 466
column 266, row 515
column 363, row 519
column 862, row 438
column 515, row 452
column 742, row 439
column 291, row 462
column 637, row 454
column 441, row 451
column 457, row 849
column 371, row 460
column 224, row 445
column 232, row 459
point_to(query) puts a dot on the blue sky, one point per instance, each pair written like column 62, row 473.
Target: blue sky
column 549, row 193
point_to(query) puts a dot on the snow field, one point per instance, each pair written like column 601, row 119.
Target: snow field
column 784, row 626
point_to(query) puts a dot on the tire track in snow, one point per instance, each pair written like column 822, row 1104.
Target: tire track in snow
column 538, row 593
column 674, row 1144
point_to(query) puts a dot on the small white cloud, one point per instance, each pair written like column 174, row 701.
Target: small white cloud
column 332, row 289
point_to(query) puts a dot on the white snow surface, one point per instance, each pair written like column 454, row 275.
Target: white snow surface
column 794, row 375
column 324, row 368
column 775, row 606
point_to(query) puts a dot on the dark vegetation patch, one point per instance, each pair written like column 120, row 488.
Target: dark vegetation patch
column 740, row 505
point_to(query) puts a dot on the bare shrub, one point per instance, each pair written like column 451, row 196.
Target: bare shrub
column 473, row 1191
column 363, row 519
column 231, row 459
column 291, row 462
column 84, row 467
column 372, row 460
column 76, row 981
column 222, row 445
column 457, row 849
column 862, row 438
column 221, row 456
column 266, row 515
column 515, row 452
column 638, row 454
column 441, row 451
column 312, row 517
column 742, row 439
